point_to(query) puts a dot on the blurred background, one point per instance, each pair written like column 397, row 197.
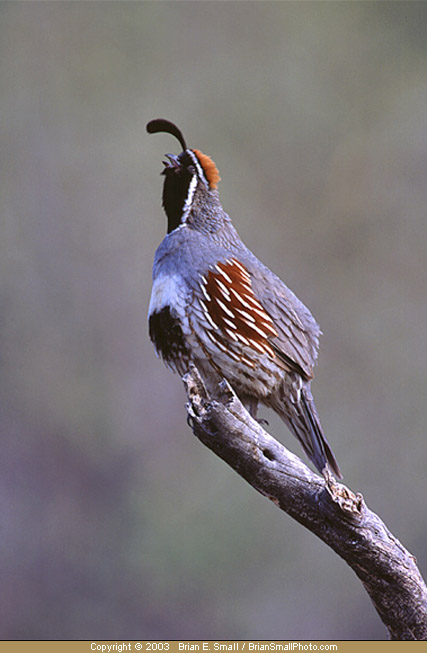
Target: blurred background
column 115, row 521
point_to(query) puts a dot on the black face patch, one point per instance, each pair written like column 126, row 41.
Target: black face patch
column 176, row 189
column 166, row 335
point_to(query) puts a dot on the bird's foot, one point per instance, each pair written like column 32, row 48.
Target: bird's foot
column 262, row 422
column 347, row 500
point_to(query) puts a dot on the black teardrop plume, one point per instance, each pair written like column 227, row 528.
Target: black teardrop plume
column 162, row 125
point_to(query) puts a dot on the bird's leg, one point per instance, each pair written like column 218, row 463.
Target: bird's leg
column 251, row 405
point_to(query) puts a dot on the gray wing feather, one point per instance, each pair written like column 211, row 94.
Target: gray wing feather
column 298, row 331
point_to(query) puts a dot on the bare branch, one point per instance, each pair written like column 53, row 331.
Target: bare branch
column 330, row 510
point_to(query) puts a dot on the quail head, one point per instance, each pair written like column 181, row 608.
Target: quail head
column 214, row 304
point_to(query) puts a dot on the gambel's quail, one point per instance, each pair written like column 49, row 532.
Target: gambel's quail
column 214, row 304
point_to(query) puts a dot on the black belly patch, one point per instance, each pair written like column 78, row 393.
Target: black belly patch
column 166, row 334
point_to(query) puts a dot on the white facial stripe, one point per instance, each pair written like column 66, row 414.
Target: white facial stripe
column 188, row 202
column 199, row 168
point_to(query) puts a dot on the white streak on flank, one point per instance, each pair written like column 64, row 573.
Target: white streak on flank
column 241, row 268
column 240, row 299
column 270, row 351
column 233, row 355
column 269, row 326
column 243, row 339
column 207, row 314
column 257, row 346
column 246, row 315
column 216, row 341
column 262, row 314
column 224, row 274
column 224, row 308
column 223, row 348
column 224, row 290
column 272, row 330
column 261, row 333
column 266, row 319
column 202, row 286
column 267, row 322
column 248, row 362
column 230, row 323
column 250, row 298
column 230, row 333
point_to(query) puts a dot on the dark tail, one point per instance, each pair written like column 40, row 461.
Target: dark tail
column 302, row 419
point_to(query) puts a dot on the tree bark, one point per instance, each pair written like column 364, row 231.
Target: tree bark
column 330, row 510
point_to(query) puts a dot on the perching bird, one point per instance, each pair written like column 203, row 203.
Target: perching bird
column 215, row 304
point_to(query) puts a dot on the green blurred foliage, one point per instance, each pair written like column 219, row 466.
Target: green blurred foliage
column 116, row 523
